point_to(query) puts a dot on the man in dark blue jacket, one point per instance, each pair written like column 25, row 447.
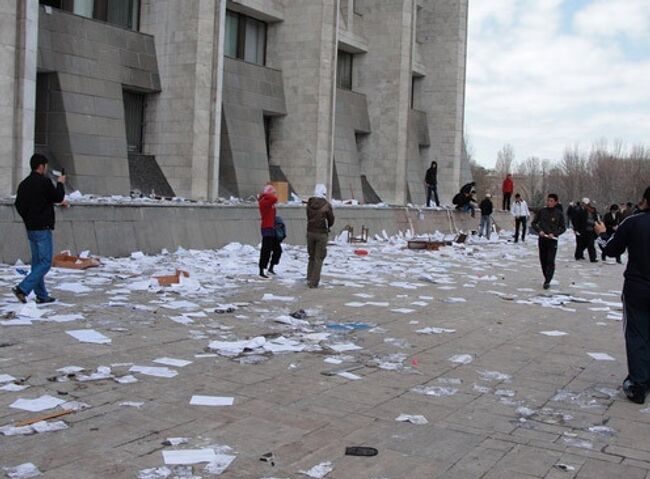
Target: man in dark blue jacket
column 35, row 202
column 633, row 234
column 549, row 225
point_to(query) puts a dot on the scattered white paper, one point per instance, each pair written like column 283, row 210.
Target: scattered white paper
column 212, row 401
column 23, row 471
column 433, row 330
column 273, row 297
column 159, row 372
column 5, row 378
column 38, row 404
column 73, row 287
column 553, row 333
column 177, row 441
column 89, row 336
column 601, row 356
column 403, row 310
column 189, row 456
column 319, row 471
column 461, row 358
column 342, row 347
column 413, row 419
column 235, row 348
column 14, row 388
column 135, row 404
column 348, row 375
column 179, row 363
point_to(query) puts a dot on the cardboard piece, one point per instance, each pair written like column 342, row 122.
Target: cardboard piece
column 66, row 260
column 172, row 278
column 281, row 190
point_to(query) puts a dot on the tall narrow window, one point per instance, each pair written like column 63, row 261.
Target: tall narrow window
column 134, row 119
column 267, row 135
column 245, row 38
column 344, row 70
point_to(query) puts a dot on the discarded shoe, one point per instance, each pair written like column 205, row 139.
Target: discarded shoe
column 19, row 294
column 361, row 451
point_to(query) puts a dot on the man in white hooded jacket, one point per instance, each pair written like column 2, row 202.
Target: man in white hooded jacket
column 519, row 210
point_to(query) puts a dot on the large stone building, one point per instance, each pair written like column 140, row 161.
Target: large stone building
column 212, row 98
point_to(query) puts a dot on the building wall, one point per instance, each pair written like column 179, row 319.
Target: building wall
column 18, row 51
column 184, row 119
column 205, row 113
column 90, row 63
column 250, row 92
column 442, row 41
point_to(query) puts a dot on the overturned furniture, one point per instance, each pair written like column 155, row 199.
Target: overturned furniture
column 357, row 239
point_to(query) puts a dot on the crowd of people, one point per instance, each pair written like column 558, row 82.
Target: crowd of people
column 621, row 229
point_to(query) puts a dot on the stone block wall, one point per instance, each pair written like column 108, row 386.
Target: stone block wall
column 118, row 230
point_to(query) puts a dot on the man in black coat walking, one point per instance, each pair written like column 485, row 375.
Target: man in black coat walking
column 431, row 181
column 35, row 202
column 633, row 234
column 549, row 225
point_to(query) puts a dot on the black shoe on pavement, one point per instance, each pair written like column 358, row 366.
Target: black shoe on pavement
column 22, row 297
column 593, row 261
column 546, row 285
column 47, row 300
column 271, row 270
column 634, row 392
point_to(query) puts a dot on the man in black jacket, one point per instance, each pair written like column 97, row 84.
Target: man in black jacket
column 549, row 225
column 431, row 181
column 633, row 234
column 611, row 220
column 35, row 202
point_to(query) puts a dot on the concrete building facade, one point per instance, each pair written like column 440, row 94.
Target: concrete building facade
column 214, row 98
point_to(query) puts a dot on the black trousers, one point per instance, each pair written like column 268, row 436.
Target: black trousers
column 585, row 241
column 506, row 201
column 270, row 246
column 432, row 190
column 520, row 221
column 547, row 252
column 636, row 322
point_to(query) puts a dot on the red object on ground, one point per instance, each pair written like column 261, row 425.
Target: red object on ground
column 361, row 252
column 414, row 362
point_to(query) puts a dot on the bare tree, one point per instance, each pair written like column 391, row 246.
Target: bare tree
column 505, row 158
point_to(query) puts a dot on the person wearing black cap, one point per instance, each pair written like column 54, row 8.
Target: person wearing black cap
column 633, row 235
column 35, row 202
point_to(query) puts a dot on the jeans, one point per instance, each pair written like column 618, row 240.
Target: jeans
column 40, row 244
column 520, row 221
column 547, row 252
column 434, row 190
column 636, row 324
column 486, row 226
column 317, row 249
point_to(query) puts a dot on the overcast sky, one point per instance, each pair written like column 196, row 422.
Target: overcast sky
column 544, row 74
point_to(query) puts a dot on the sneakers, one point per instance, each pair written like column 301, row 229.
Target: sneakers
column 22, row 297
column 47, row 300
column 633, row 391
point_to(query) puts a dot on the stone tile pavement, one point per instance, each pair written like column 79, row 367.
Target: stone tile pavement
column 523, row 405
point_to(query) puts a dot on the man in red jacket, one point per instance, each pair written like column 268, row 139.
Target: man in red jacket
column 267, row 201
column 507, row 189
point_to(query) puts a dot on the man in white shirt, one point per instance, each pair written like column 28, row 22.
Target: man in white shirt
column 520, row 211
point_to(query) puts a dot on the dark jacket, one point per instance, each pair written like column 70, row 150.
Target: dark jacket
column 611, row 220
column 431, row 177
column 486, row 207
column 549, row 220
column 467, row 188
column 35, row 201
column 579, row 219
column 320, row 216
column 632, row 234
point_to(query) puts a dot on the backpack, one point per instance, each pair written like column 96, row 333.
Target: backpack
column 280, row 229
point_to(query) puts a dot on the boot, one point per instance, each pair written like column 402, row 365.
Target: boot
column 262, row 273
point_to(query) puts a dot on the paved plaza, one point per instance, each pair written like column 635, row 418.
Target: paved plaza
column 510, row 381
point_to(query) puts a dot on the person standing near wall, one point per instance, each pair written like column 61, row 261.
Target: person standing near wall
column 35, row 202
column 320, row 219
column 521, row 214
column 507, row 188
column 431, row 182
column 549, row 225
column 266, row 202
column 633, row 234
column 486, row 208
